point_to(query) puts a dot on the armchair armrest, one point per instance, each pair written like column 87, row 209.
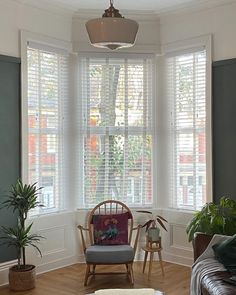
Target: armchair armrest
column 82, row 229
column 137, row 229
column 200, row 243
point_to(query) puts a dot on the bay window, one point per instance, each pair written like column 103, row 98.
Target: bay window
column 47, row 92
column 116, row 95
column 187, row 103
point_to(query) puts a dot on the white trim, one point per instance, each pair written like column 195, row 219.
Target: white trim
column 46, row 40
column 4, row 268
column 148, row 61
column 167, row 257
column 74, row 11
column 59, row 263
column 7, row 264
column 45, row 47
column 39, row 39
column 155, row 134
column 42, row 42
column 181, row 47
column 177, row 259
column 209, row 167
column 192, row 7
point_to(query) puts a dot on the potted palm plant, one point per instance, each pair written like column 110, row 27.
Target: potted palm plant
column 152, row 226
column 214, row 219
column 22, row 198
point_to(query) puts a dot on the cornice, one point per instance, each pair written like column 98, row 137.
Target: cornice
column 144, row 15
column 194, row 7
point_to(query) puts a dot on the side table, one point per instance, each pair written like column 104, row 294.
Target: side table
column 152, row 250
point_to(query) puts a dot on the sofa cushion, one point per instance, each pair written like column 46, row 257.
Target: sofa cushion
column 225, row 252
column 107, row 254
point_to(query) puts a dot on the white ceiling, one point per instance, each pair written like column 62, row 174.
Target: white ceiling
column 142, row 6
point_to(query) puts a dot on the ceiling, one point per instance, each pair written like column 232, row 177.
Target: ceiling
column 142, row 6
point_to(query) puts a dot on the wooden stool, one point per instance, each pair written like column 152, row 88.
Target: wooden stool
column 152, row 247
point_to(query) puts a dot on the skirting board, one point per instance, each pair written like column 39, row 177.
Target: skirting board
column 40, row 268
column 4, row 271
column 80, row 259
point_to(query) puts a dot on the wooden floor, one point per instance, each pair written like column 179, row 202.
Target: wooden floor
column 69, row 280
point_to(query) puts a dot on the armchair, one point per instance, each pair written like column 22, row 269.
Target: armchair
column 106, row 222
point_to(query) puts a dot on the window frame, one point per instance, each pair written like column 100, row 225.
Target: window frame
column 46, row 43
column 102, row 130
column 185, row 47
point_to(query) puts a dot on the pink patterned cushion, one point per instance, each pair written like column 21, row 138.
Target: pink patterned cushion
column 111, row 229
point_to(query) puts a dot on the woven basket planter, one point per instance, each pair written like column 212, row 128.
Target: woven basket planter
column 22, row 280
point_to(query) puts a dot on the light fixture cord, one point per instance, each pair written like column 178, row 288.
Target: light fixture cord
column 111, row 11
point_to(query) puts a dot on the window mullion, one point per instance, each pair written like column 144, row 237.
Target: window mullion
column 38, row 149
column 126, row 132
column 107, row 94
column 194, row 134
column 175, row 141
column 144, row 134
column 86, row 119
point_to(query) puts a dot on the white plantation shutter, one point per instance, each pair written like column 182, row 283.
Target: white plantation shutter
column 186, row 78
column 117, row 129
column 47, row 69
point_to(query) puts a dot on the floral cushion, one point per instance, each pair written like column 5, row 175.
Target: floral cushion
column 111, row 229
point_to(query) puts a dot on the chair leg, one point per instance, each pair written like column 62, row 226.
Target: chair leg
column 145, row 260
column 130, row 273
column 161, row 264
column 150, row 264
column 94, row 267
column 87, row 274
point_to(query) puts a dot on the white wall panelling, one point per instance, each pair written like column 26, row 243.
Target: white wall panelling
column 4, row 271
column 176, row 247
column 60, row 246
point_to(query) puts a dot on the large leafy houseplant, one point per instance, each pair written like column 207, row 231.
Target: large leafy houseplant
column 22, row 198
column 214, row 219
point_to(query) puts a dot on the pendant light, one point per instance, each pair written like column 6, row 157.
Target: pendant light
column 112, row 30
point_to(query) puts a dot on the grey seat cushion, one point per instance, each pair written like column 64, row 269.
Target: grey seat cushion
column 107, row 254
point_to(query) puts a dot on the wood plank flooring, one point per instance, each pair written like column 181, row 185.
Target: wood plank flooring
column 69, row 280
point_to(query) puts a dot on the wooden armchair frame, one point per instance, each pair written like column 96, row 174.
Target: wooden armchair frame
column 109, row 207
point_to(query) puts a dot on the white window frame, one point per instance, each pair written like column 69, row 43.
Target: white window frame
column 46, row 41
column 80, row 202
column 188, row 46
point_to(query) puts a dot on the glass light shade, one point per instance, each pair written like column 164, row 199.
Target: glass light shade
column 112, row 32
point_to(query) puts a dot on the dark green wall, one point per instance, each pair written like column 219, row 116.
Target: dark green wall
column 9, row 139
column 224, row 129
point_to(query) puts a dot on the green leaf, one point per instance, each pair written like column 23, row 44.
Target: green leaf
column 214, row 218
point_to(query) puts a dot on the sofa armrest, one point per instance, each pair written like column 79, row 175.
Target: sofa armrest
column 200, row 243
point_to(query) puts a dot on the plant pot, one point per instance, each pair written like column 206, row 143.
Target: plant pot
column 153, row 234
column 23, row 279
